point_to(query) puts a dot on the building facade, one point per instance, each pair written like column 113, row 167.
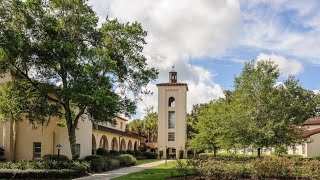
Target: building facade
column 24, row 141
column 172, row 108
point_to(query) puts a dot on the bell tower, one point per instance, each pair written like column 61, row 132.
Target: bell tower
column 172, row 114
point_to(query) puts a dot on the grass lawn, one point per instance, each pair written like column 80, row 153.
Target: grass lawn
column 144, row 161
column 158, row 172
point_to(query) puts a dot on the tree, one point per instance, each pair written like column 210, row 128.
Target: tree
column 207, row 126
column 65, row 65
column 136, row 126
column 264, row 114
column 193, row 119
column 150, row 126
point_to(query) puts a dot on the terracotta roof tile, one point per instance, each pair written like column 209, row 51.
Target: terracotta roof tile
column 308, row 133
column 312, row 121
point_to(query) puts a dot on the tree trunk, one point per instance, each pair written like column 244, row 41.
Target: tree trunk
column 214, row 151
column 72, row 140
column 259, row 152
column 71, row 131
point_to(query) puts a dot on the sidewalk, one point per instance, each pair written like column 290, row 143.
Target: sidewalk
column 121, row 171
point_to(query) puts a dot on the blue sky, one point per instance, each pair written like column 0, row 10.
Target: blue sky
column 208, row 41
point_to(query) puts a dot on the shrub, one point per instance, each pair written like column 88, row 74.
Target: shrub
column 190, row 154
column 54, row 157
column 127, row 160
column 130, row 152
column 180, row 154
column 91, row 157
column 98, row 164
column 102, row 152
column 114, row 153
column 137, row 153
column 150, row 155
column 114, row 164
column 274, row 167
column 123, row 152
column 140, row 157
column 281, row 150
column 41, row 174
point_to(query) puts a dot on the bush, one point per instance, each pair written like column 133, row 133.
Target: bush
column 114, row 164
column 114, row 153
column 102, row 152
column 127, row 160
column 54, row 157
column 137, row 153
column 131, row 152
column 140, row 157
column 98, row 164
column 123, row 152
column 150, row 155
column 91, row 157
column 41, row 174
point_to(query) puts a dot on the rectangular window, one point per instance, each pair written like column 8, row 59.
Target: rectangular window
column 170, row 136
column 171, row 119
column 121, row 125
column 36, row 150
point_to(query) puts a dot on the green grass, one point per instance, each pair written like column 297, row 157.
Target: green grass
column 144, row 161
column 158, row 172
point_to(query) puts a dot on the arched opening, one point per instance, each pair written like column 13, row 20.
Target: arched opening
column 94, row 145
column 104, row 142
column 129, row 145
column 135, row 145
column 172, row 102
column 123, row 145
column 114, row 144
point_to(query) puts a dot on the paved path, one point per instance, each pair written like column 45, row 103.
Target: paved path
column 122, row 171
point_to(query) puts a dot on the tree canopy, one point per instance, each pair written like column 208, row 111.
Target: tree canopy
column 65, row 65
column 259, row 113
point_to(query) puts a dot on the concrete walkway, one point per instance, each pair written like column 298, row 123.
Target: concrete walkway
column 122, row 171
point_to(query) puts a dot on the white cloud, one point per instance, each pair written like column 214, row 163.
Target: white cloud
column 282, row 26
column 178, row 31
column 287, row 67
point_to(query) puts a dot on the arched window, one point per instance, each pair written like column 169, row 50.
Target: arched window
column 172, row 102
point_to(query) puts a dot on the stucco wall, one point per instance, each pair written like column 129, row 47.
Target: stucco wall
column 180, row 95
column 313, row 148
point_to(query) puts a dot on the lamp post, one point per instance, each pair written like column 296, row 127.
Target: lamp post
column 58, row 147
column 166, row 154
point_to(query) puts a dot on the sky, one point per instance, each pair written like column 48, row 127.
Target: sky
column 208, row 41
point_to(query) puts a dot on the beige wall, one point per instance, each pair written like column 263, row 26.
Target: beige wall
column 48, row 135
column 180, row 95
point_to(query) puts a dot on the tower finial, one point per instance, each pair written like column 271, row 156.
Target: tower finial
column 172, row 67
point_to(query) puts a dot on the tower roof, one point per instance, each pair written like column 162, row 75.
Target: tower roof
column 173, row 80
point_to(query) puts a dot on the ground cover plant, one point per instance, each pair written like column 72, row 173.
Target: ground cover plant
column 249, row 167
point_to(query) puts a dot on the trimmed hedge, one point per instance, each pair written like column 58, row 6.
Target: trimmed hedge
column 42, row 170
column 127, row 160
column 54, row 157
column 114, row 153
column 102, row 152
column 99, row 163
column 150, row 155
column 41, row 174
